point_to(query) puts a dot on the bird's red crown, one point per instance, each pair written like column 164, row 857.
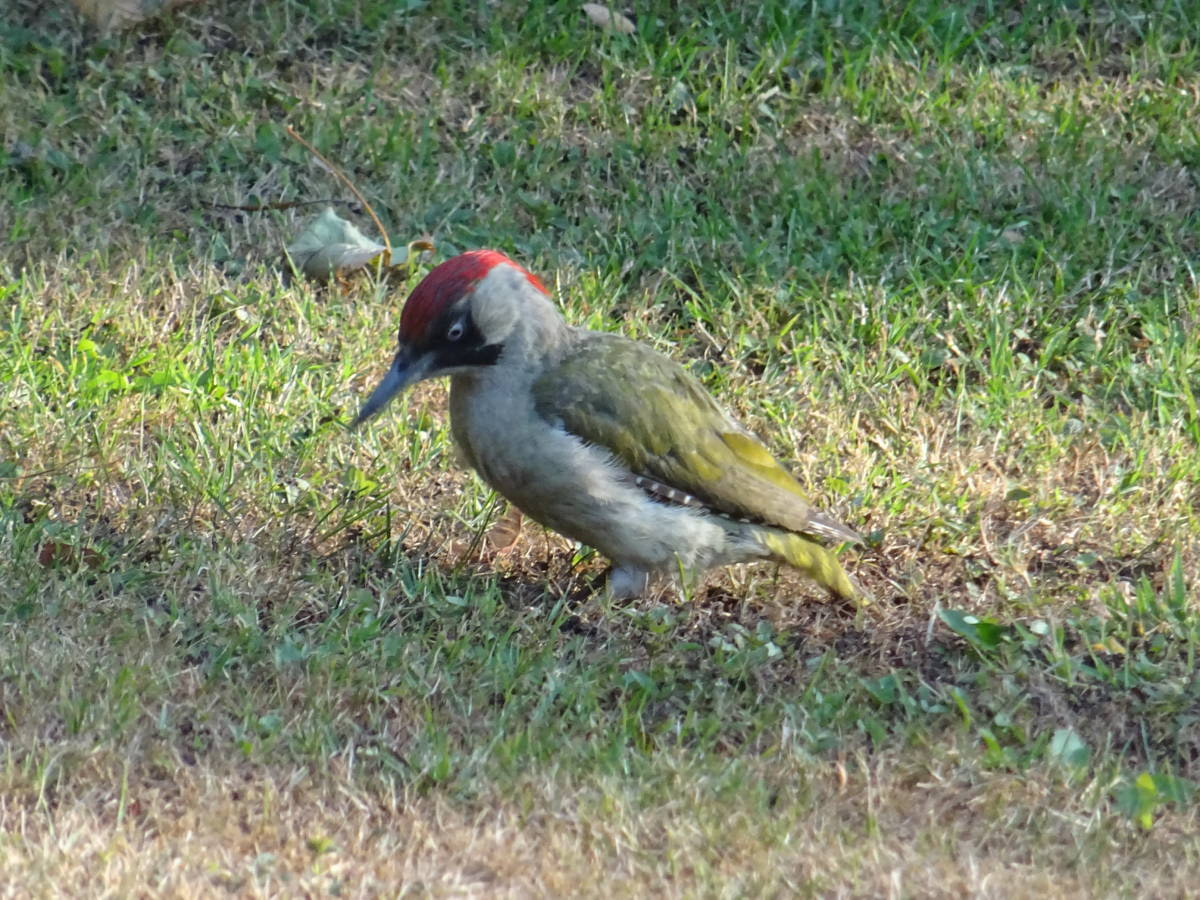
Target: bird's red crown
column 447, row 283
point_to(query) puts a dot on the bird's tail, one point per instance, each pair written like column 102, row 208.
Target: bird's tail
column 812, row 559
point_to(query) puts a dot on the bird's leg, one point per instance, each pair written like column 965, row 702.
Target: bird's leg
column 625, row 583
column 628, row 583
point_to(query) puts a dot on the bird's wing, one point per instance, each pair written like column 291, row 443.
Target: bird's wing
column 657, row 418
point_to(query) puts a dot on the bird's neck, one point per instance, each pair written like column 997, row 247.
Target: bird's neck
column 524, row 320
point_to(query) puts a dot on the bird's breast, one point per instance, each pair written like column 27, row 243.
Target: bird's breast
column 494, row 424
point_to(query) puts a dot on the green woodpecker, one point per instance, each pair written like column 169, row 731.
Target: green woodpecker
column 598, row 437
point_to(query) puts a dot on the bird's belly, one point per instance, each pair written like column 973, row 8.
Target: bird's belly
column 577, row 489
column 596, row 503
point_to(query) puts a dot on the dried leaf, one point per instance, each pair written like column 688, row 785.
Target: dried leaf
column 57, row 554
column 403, row 257
column 420, row 245
column 603, row 17
column 412, row 252
column 505, row 532
column 109, row 15
column 331, row 245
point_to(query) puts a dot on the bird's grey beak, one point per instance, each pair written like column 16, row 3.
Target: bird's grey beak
column 406, row 370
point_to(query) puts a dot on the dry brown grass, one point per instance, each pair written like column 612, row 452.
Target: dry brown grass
column 860, row 827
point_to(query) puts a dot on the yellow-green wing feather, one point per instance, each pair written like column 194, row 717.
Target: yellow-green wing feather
column 658, row 419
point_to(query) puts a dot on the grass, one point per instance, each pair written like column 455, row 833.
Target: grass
column 941, row 258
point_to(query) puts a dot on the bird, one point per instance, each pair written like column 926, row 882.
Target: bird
column 601, row 438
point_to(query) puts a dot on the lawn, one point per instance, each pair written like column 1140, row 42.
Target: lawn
column 942, row 258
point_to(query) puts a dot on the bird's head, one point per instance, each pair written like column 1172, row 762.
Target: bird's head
column 456, row 321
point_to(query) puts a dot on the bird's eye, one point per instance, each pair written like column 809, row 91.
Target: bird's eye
column 455, row 331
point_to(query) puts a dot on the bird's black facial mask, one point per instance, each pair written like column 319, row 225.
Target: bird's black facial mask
column 456, row 342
